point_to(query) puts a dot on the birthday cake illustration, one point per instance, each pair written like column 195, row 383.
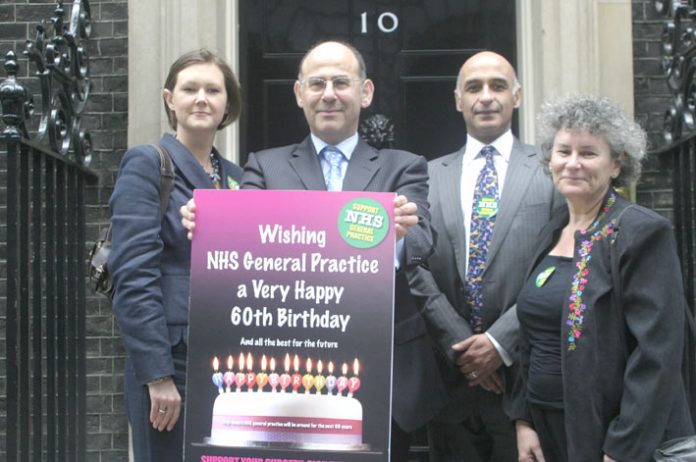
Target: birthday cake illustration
column 266, row 408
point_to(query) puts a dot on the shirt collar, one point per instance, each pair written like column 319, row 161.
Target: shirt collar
column 346, row 146
column 502, row 144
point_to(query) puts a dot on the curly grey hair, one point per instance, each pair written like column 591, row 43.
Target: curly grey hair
column 601, row 117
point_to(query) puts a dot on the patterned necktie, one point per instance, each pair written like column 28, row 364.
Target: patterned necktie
column 483, row 213
column 333, row 174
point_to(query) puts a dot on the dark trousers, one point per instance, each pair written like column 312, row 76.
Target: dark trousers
column 400, row 443
column 550, row 427
column 487, row 435
column 150, row 445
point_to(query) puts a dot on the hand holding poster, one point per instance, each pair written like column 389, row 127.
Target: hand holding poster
column 291, row 327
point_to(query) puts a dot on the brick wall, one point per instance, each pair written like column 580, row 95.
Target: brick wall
column 105, row 117
column 652, row 99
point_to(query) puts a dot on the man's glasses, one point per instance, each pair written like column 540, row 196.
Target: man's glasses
column 339, row 83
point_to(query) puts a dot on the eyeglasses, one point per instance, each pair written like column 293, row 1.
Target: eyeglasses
column 339, row 83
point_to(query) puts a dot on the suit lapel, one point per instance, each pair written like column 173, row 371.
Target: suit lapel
column 364, row 164
column 449, row 189
column 519, row 175
column 305, row 162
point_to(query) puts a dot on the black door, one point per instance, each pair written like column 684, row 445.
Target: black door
column 413, row 50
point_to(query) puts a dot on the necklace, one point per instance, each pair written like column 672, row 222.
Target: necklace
column 215, row 173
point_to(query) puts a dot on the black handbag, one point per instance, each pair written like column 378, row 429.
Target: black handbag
column 677, row 450
column 681, row 449
column 99, row 276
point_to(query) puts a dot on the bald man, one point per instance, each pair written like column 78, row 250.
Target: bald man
column 468, row 288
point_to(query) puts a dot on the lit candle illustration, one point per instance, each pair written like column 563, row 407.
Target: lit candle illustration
column 296, row 377
column 285, row 377
column 319, row 379
column 229, row 375
column 308, row 378
column 342, row 381
column 262, row 377
column 354, row 382
column 251, row 375
column 330, row 380
column 240, row 377
column 217, row 375
column 273, row 377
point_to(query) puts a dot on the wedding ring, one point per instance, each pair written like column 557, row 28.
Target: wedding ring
column 162, row 411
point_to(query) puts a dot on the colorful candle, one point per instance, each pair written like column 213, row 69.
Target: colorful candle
column 240, row 377
column 354, row 382
column 251, row 375
column 285, row 377
column 296, row 377
column 342, row 381
column 229, row 375
column 319, row 379
column 330, row 380
column 217, row 375
column 308, row 378
column 262, row 377
column 273, row 377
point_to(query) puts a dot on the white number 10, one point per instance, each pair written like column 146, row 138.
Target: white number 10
column 380, row 22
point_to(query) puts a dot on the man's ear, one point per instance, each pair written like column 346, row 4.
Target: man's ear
column 457, row 101
column 517, row 98
column 297, row 88
column 368, row 90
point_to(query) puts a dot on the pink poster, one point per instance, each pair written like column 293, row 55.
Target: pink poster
column 290, row 327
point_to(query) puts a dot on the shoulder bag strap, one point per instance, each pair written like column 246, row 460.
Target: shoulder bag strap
column 166, row 177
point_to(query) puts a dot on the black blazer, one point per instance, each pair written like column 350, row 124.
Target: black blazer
column 621, row 399
column 418, row 392
column 150, row 260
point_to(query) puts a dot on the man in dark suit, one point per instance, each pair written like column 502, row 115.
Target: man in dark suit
column 476, row 337
column 331, row 89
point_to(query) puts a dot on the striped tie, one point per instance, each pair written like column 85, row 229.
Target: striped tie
column 333, row 174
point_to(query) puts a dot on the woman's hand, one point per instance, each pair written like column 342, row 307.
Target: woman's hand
column 165, row 404
column 188, row 217
column 528, row 445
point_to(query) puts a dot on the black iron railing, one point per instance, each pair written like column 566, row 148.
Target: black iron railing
column 679, row 67
column 682, row 157
column 43, row 253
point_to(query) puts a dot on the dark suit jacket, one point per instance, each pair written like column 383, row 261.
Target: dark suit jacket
column 439, row 286
column 622, row 399
column 417, row 390
column 150, row 259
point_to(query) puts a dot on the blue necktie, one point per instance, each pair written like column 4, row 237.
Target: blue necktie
column 333, row 175
column 483, row 213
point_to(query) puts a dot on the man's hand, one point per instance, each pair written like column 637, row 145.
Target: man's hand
column 493, row 383
column 188, row 217
column 528, row 446
column 479, row 358
column 165, row 404
column 405, row 215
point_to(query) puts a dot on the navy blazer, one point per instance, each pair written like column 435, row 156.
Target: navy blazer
column 418, row 392
column 150, row 259
column 621, row 399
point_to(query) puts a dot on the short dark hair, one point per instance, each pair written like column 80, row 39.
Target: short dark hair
column 362, row 69
column 205, row 56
